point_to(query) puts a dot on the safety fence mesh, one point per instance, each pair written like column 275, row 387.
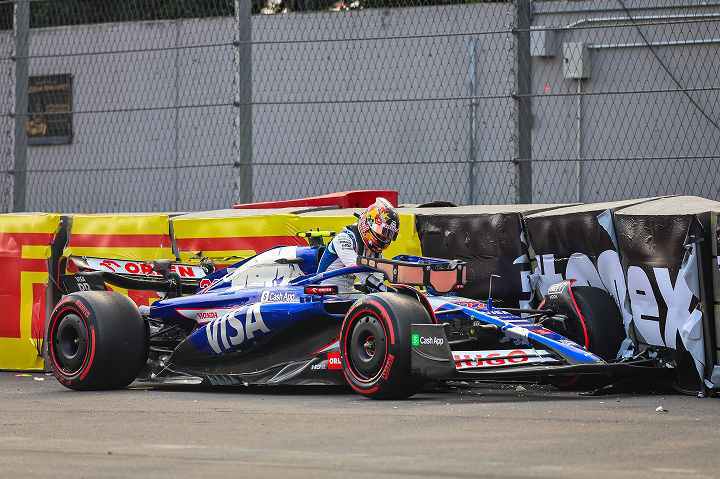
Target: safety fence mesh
column 181, row 105
column 627, row 106
column 131, row 106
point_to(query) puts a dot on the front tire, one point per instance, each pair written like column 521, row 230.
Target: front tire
column 600, row 324
column 97, row 340
column 594, row 323
column 375, row 345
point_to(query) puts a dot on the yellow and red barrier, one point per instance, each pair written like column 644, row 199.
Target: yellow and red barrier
column 225, row 236
column 408, row 241
column 25, row 247
column 123, row 236
column 30, row 247
column 231, row 235
column 143, row 236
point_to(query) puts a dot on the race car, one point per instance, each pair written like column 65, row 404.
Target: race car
column 271, row 319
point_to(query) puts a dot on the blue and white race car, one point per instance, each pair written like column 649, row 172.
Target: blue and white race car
column 271, row 319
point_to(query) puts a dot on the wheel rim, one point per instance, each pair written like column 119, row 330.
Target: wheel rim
column 367, row 346
column 70, row 343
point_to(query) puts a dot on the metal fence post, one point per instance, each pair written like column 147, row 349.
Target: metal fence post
column 523, row 86
column 22, row 50
column 472, row 140
column 243, row 99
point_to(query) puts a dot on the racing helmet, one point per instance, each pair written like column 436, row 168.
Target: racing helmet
column 379, row 225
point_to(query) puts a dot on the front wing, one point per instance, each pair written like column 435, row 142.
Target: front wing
column 432, row 358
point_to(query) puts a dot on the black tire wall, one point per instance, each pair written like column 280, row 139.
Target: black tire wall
column 489, row 243
column 657, row 243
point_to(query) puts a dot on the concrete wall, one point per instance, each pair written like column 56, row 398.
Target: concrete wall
column 311, row 109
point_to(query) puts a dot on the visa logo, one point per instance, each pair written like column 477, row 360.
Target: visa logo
column 230, row 331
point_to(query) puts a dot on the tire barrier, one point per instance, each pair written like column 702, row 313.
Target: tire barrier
column 714, row 234
column 657, row 257
column 579, row 243
column 666, row 251
column 491, row 239
column 618, row 246
column 26, row 242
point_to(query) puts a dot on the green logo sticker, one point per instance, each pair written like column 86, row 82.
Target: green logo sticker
column 415, row 339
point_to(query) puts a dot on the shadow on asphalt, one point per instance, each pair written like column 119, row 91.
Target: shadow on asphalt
column 479, row 393
column 485, row 393
column 252, row 389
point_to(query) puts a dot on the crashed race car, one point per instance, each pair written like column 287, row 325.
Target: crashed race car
column 270, row 320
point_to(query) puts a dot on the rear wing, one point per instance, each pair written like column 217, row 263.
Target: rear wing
column 83, row 273
column 439, row 275
column 157, row 269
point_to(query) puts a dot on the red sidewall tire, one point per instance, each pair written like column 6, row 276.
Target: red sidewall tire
column 391, row 377
column 367, row 386
column 112, row 344
column 67, row 306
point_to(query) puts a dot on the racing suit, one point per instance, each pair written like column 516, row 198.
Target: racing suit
column 342, row 252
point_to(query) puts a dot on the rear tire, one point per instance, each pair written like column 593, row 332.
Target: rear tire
column 97, row 340
column 375, row 345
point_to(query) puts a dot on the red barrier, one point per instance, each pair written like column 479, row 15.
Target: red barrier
column 25, row 247
column 343, row 199
column 140, row 236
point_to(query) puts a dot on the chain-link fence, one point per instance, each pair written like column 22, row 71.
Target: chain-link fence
column 625, row 99
column 132, row 105
column 407, row 97
column 186, row 105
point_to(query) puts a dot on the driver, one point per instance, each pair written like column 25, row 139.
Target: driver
column 375, row 229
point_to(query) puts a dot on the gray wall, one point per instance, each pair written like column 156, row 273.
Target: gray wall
column 342, row 135
column 133, row 160
column 627, row 125
column 322, row 120
column 427, row 142
column 7, row 127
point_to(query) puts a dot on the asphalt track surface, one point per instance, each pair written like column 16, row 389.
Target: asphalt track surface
column 492, row 432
